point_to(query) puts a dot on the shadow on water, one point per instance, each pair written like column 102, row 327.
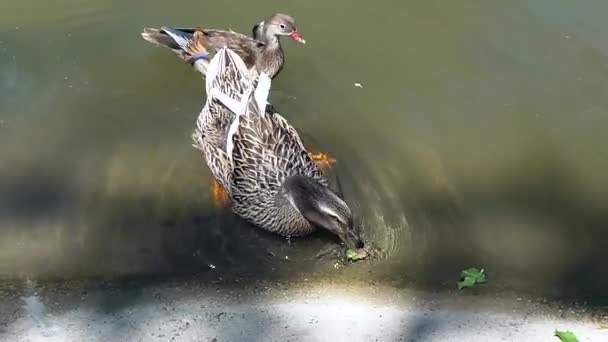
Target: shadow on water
column 121, row 225
column 537, row 230
column 528, row 229
column 100, row 209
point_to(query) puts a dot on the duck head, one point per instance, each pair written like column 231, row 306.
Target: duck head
column 323, row 208
column 278, row 25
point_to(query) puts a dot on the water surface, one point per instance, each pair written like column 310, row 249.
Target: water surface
column 478, row 138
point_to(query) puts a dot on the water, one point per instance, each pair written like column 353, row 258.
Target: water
column 477, row 138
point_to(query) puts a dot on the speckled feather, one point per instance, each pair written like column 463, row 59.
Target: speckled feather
column 214, row 120
column 266, row 151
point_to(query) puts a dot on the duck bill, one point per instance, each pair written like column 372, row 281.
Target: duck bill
column 297, row 36
column 352, row 241
column 356, row 246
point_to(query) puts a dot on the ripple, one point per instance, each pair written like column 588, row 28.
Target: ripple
column 63, row 15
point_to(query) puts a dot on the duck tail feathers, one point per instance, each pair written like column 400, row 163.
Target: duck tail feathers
column 180, row 38
column 226, row 67
column 174, row 39
column 223, row 68
column 186, row 43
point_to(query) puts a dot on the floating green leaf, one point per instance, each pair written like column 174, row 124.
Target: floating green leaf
column 566, row 336
column 354, row 255
column 470, row 277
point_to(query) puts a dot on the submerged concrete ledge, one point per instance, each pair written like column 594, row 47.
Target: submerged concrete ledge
column 303, row 311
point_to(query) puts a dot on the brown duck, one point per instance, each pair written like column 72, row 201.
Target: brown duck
column 197, row 46
column 262, row 50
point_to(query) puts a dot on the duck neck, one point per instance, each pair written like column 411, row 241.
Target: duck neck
column 263, row 34
column 295, row 203
column 303, row 193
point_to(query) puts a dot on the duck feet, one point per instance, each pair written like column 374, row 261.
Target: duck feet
column 220, row 196
column 322, row 159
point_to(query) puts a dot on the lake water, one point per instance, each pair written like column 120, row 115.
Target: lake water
column 477, row 138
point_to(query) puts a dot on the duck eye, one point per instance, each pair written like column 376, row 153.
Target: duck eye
column 282, row 26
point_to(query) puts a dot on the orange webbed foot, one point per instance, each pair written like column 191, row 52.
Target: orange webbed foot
column 220, row 196
column 323, row 160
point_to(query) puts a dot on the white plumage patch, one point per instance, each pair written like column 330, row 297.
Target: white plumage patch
column 234, row 126
column 201, row 66
column 261, row 92
column 328, row 210
column 292, row 202
column 226, row 59
column 180, row 40
column 214, row 69
column 233, row 105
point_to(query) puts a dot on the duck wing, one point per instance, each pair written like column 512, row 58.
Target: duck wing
column 247, row 48
column 231, row 78
column 192, row 44
column 263, row 148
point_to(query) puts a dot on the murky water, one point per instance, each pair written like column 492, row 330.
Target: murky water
column 477, row 139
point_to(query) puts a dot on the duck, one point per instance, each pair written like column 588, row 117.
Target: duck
column 262, row 50
column 259, row 158
column 194, row 46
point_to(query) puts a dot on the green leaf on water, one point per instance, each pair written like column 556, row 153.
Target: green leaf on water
column 353, row 255
column 467, row 282
column 566, row 336
column 470, row 277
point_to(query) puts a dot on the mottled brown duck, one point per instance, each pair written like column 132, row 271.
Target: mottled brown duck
column 197, row 46
column 260, row 160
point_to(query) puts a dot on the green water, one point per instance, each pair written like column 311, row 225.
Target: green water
column 477, row 138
